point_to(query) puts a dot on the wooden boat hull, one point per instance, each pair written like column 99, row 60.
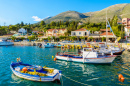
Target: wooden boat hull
column 36, row 77
column 104, row 60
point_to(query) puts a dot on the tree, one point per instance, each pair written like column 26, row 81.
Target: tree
column 53, row 37
column 91, row 38
column 13, row 27
column 73, row 38
column 30, row 38
column 22, row 24
column 82, row 38
column 49, row 38
column 52, row 23
column 22, row 38
column 42, row 23
column 103, row 39
column 13, row 38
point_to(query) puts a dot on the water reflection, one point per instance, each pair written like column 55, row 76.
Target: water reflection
column 17, row 80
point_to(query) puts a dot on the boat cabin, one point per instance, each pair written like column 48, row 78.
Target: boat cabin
column 89, row 53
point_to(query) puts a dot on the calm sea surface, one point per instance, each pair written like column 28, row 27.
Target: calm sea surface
column 89, row 74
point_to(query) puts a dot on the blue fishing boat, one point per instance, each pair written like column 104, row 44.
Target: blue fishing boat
column 48, row 45
column 34, row 72
column 58, row 45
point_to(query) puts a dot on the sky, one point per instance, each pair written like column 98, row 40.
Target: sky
column 33, row 11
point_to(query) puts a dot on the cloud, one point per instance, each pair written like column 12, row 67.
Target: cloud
column 36, row 18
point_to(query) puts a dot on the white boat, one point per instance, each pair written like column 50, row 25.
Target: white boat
column 3, row 42
column 113, row 49
column 128, row 49
column 88, row 56
column 35, row 73
column 48, row 45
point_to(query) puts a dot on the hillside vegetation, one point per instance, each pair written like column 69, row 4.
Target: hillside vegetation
column 121, row 10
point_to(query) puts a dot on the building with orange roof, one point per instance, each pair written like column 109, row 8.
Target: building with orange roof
column 56, row 32
column 126, row 23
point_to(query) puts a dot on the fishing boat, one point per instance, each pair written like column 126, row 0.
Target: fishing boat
column 34, row 72
column 3, row 42
column 113, row 49
column 88, row 56
column 48, row 45
column 58, row 45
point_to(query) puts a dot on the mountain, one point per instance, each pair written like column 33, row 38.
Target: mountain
column 47, row 18
column 121, row 10
column 68, row 15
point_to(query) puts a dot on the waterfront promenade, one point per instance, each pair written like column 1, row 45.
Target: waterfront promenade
column 26, row 43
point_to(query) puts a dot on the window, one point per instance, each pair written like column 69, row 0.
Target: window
column 79, row 33
column 85, row 33
column 55, row 31
column 74, row 34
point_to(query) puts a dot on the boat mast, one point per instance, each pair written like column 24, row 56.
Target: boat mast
column 106, row 28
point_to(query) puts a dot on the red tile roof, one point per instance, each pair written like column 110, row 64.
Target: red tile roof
column 50, row 30
column 127, row 27
column 62, row 29
column 107, row 34
column 55, row 29
column 39, row 32
column 104, row 29
column 82, row 29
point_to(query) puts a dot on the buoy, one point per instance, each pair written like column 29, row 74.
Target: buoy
column 24, row 69
column 17, row 59
column 121, row 78
column 54, row 59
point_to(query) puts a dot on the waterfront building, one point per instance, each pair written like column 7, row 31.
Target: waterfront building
column 127, row 31
column 22, row 31
column 104, row 30
column 126, row 21
column 35, row 31
column 56, row 32
column 111, row 37
column 80, row 32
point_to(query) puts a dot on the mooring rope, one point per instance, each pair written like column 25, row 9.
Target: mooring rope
column 75, row 80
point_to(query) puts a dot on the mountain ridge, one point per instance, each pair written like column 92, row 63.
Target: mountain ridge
column 121, row 10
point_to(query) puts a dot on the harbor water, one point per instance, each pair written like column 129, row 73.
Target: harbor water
column 74, row 74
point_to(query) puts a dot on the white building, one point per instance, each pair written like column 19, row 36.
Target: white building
column 80, row 32
column 127, row 31
column 22, row 30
